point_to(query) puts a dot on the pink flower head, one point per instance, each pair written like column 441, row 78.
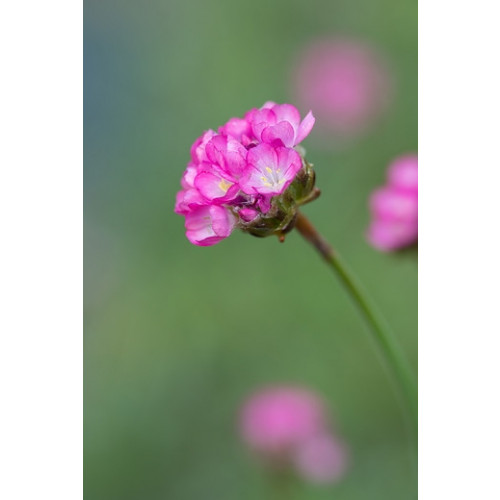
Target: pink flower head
column 321, row 459
column 395, row 207
column 345, row 81
column 237, row 178
column 276, row 420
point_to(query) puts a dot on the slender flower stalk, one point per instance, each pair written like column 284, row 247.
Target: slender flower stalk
column 394, row 358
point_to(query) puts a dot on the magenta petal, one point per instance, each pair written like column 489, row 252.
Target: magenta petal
column 187, row 180
column 198, row 153
column 281, row 134
column 290, row 161
column 236, row 128
column 187, row 200
column 305, row 127
column 223, row 221
column 208, row 225
column 260, row 120
column 288, row 113
column 262, row 156
column 228, row 154
column 248, row 214
column 264, row 203
column 268, row 105
column 215, row 148
column 214, row 187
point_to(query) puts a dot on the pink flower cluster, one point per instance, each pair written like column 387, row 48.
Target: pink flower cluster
column 287, row 427
column 395, row 207
column 234, row 173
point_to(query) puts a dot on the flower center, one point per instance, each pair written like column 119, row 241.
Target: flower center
column 272, row 178
column 224, row 185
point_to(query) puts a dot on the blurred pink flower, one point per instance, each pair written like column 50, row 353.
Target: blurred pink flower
column 321, row 459
column 277, row 419
column 288, row 427
column 403, row 173
column 346, row 82
column 395, row 207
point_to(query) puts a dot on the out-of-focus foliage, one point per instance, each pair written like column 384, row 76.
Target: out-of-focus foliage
column 176, row 336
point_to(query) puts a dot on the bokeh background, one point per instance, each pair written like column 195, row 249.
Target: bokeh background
column 176, row 336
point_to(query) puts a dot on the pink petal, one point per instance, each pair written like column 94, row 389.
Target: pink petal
column 187, row 180
column 236, row 128
column 262, row 156
column 223, row 221
column 228, row 153
column 215, row 187
column 290, row 161
column 281, row 134
column 264, row 203
column 287, row 112
column 198, row 148
column 268, row 105
column 208, row 225
column 260, row 120
column 187, row 200
column 248, row 214
column 305, row 127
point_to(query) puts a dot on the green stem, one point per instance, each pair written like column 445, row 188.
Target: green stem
column 388, row 346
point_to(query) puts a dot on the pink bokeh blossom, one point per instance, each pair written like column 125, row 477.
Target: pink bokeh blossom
column 394, row 207
column 288, row 426
column 276, row 420
column 346, row 82
column 322, row 459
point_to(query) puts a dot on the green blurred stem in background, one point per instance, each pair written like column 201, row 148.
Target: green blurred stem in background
column 388, row 345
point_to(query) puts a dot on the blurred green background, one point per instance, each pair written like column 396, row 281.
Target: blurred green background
column 176, row 336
